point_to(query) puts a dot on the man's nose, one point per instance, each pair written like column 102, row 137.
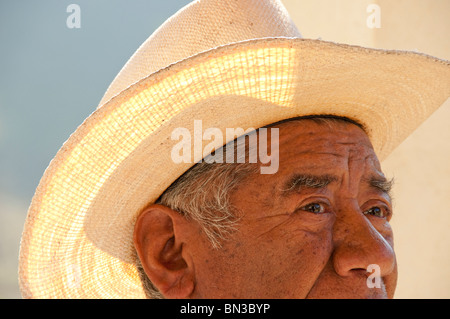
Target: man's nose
column 358, row 244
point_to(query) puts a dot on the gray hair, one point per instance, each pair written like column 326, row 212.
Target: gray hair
column 203, row 195
column 203, row 192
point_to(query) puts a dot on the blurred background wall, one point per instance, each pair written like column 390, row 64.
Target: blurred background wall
column 52, row 77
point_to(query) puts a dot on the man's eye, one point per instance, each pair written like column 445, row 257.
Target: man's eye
column 315, row 208
column 376, row 211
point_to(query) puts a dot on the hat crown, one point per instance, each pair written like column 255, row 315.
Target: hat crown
column 198, row 27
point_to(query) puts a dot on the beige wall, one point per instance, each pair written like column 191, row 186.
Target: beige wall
column 421, row 165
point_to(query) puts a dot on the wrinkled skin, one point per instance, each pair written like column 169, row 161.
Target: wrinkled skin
column 306, row 242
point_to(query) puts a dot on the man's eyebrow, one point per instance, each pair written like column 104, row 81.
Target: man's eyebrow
column 383, row 184
column 302, row 181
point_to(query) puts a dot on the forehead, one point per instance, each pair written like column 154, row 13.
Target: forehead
column 340, row 150
column 311, row 145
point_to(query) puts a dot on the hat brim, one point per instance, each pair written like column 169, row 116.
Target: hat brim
column 77, row 240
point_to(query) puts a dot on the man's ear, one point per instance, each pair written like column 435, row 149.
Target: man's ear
column 160, row 251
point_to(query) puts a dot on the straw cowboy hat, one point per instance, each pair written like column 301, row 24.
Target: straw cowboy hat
column 229, row 63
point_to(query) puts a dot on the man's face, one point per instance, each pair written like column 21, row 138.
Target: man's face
column 312, row 229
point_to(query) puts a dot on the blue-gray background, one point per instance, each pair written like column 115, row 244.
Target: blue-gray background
column 51, row 78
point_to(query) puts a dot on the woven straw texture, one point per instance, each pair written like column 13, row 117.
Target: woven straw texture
column 201, row 26
column 77, row 241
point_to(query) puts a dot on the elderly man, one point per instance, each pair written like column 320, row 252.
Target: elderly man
column 144, row 199
column 309, row 230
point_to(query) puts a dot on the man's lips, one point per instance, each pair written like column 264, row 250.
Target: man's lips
column 329, row 285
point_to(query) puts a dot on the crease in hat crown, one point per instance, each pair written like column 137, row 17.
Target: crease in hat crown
column 200, row 26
